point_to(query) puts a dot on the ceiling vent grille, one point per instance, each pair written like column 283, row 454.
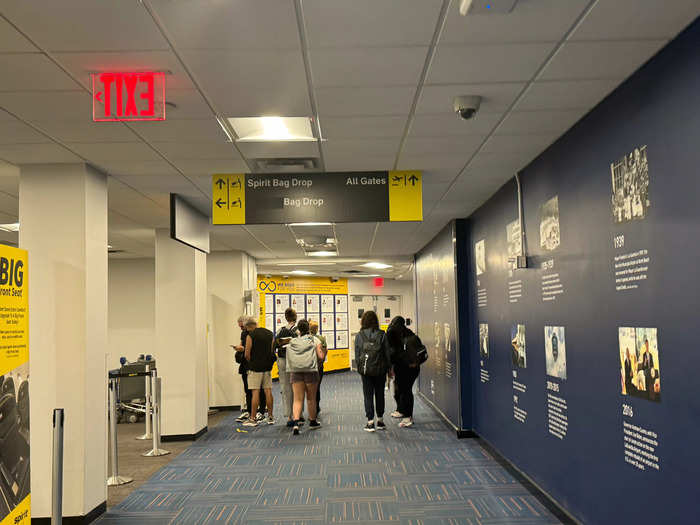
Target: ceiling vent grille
column 285, row 165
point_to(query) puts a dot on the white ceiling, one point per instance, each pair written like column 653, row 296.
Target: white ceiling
column 379, row 75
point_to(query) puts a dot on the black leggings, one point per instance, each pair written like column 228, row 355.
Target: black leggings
column 373, row 389
column 403, row 388
column 318, row 391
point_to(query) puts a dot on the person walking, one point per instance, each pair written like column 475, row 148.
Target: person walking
column 243, row 370
column 405, row 346
column 313, row 329
column 260, row 354
column 303, row 355
column 284, row 335
column 373, row 358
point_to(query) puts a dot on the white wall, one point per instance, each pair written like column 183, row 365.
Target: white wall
column 365, row 286
column 230, row 274
column 132, row 325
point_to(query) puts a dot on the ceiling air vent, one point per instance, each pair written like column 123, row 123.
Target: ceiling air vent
column 285, row 165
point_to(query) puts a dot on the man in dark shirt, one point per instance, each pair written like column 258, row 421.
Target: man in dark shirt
column 259, row 352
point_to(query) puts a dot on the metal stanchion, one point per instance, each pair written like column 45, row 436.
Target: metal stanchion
column 149, row 405
column 155, row 391
column 115, row 478
column 57, row 478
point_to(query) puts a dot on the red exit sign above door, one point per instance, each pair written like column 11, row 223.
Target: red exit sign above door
column 128, row 96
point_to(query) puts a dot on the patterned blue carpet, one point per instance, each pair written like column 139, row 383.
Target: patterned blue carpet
column 417, row 476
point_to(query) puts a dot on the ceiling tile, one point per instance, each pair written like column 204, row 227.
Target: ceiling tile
column 495, row 98
column 487, row 63
column 582, row 60
column 364, row 101
column 501, row 143
column 13, row 42
column 362, row 147
column 362, row 127
column 463, row 146
column 582, row 94
column 208, row 167
column 349, row 162
column 59, row 105
column 102, row 25
column 85, row 130
column 16, row 132
column 431, row 162
column 197, row 150
column 373, row 22
column 157, row 183
column 354, row 238
column 213, row 24
column 449, row 124
column 32, row 72
column 636, row 19
column 82, row 64
column 540, row 21
column 106, row 151
column 151, row 167
column 439, row 175
column 252, row 83
column 191, row 130
column 36, row 154
column 270, row 150
column 188, row 104
column 367, row 66
column 433, row 191
column 539, row 122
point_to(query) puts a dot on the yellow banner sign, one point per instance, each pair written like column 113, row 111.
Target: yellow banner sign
column 405, row 196
column 14, row 375
column 228, row 198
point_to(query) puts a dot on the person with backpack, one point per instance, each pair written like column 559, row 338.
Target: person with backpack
column 284, row 336
column 373, row 359
column 407, row 350
column 303, row 355
column 260, row 355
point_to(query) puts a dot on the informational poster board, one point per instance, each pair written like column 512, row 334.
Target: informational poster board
column 315, row 299
column 14, row 387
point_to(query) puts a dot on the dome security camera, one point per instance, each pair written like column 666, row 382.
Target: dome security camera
column 466, row 106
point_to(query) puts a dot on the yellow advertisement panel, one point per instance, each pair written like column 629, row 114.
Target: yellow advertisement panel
column 14, row 386
column 405, row 196
column 319, row 299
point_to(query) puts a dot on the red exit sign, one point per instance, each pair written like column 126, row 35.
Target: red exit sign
column 128, row 96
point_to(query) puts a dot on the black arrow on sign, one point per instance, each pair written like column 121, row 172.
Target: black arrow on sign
column 220, row 183
column 219, row 202
column 413, row 180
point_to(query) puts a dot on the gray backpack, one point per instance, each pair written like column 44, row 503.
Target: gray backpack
column 301, row 354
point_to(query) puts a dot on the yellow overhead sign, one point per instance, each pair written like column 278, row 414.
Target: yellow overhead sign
column 228, row 198
column 405, row 196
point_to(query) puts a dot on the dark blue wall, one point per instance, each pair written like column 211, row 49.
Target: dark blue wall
column 658, row 107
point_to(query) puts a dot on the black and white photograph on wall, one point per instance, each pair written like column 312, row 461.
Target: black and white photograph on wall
column 639, row 363
column 555, row 351
column 517, row 342
column 480, row 256
column 484, row 340
column 513, row 239
column 550, row 237
column 630, row 186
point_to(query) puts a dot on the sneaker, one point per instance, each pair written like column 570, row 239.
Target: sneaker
column 295, row 430
column 313, row 424
column 397, row 414
column 270, row 420
column 243, row 417
column 301, row 419
column 259, row 417
column 406, row 422
column 290, row 423
column 380, row 425
column 250, row 423
column 369, row 427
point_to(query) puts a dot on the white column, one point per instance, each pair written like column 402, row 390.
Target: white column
column 181, row 338
column 229, row 275
column 63, row 225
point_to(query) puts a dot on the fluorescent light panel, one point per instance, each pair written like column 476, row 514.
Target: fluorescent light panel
column 11, row 227
column 302, row 272
column 322, row 253
column 310, row 224
column 273, row 129
column 376, row 265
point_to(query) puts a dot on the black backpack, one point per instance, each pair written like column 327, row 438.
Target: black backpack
column 372, row 361
column 414, row 351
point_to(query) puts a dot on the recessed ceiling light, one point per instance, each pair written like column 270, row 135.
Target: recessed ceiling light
column 322, row 253
column 302, row 272
column 376, row 265
column 315, row 263
column 273, row 129
column 330, row 240
column 310, row 224
column 11, row 227
column 109, row 246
